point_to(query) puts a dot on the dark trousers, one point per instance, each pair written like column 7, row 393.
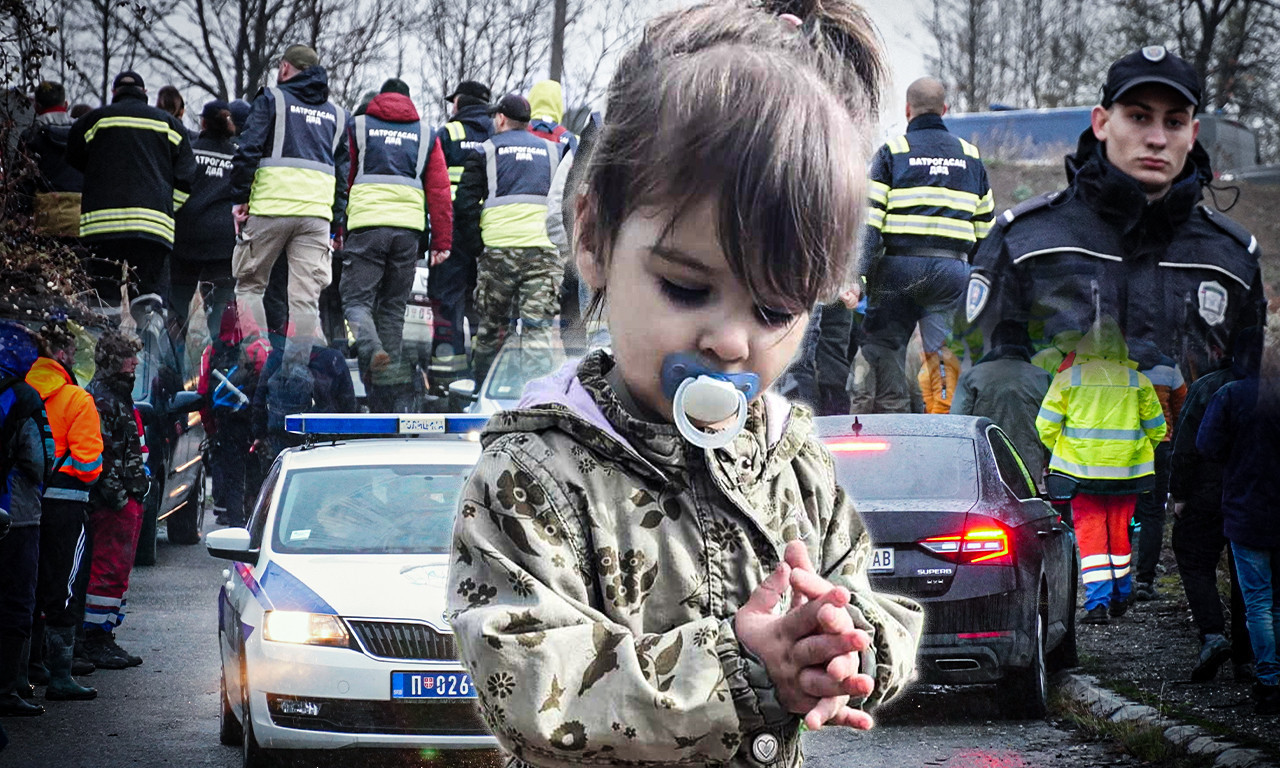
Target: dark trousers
column 331, row 317
column 1198, row 543
column 903, row 292
column 275, row 301
column 186, row 275
column 148, row 261
column 229, row 464
column 62, row 546
column 1150, row 514
column 19, row 566
column 450, row 287
column 818, row 375
column 377, row 278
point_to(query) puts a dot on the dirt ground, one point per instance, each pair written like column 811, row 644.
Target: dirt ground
column 1255, row 209
column 1148, row 654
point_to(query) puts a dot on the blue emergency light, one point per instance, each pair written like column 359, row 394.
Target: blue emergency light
column 384, row 424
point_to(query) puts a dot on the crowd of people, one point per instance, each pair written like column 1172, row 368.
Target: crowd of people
column 1128, row 353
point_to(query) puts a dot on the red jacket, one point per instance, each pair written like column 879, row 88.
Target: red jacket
column 398, row 108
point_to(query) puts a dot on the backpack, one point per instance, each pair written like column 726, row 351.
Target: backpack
column 231, row 380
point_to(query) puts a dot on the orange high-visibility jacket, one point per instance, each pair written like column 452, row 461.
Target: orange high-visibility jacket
column 77, row 433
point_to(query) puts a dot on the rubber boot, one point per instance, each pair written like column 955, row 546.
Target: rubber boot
column 11, row 704
column 24, row 687
column 37, row 673
column 62, row 687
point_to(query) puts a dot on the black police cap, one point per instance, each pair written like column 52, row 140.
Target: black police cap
column 1152, row 64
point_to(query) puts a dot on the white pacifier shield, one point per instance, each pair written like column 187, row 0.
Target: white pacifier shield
column 709, row 401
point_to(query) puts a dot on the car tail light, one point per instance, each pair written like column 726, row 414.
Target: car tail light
column 857, row 446
column 979, row 545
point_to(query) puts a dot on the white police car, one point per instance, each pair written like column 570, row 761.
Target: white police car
column 330, row 622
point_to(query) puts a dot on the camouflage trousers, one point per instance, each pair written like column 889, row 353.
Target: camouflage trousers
column 517, row 284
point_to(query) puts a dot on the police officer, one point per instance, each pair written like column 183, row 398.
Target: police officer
column 289, row 181
column 930, row 203
column 1128, row 237
column 503, row 195
column 451, row 283
column 400, row 177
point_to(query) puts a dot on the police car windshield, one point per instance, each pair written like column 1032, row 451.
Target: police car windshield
column 512, row 370
column 900, row 468
column 371, row 510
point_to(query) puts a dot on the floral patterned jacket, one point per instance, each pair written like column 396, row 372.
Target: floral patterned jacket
column 598, row 564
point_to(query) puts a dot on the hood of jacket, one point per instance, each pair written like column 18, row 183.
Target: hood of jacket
column 393, row 107
column 579, row 400
column 17, row 349
column 546, row 101
column 476, row 114
column 1118, row 197
column 47, row 376
column 311, row 85
column 1104, row 341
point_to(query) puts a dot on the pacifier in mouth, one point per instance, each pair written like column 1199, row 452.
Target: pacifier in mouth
column 705, row 394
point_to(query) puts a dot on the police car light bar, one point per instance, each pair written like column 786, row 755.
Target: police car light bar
column 383, row 423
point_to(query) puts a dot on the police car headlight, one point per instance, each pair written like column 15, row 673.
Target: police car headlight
column 305, row 628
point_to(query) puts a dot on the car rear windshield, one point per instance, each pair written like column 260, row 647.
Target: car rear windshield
column 903, row 468
column 397, row 509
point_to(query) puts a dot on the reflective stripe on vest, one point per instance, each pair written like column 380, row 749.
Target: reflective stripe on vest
column 389, row 199
column 106, row 221
column 296, row 186
column 457, row 133
column 516, row 220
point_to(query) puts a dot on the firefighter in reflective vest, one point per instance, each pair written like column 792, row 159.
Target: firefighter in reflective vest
column 398, row 177
column 451, row 285
column 503, row 195
column 930, row 204
column 1101, row 421
column 138, row 169
column 289, row 180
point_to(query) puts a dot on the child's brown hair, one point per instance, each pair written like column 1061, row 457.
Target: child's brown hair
column 733, row 102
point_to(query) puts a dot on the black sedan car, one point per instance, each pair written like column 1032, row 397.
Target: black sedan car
column 957, row 525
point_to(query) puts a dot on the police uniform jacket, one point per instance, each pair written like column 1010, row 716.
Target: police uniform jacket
column 138, row 167
column 292, row 160
column 205, row 230
column 1172, row 270
column 461, row 138
column 928, row 192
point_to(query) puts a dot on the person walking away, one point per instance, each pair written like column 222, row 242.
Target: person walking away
column 116, row 499
column 930, row 204
column 229, row 372
column 138, row 169
column 77, row 437
column 56, row 188
column 289, row 182
column 1006, row 387
column 1129, row 237
column 1241, row 429
column 504, row 195
column 451, row 284
column 23, row 467
column 546, row 105
column 399, row 179
column 1198, row 540
column 1101, row 421
column 1149, row 514
column 204, row 232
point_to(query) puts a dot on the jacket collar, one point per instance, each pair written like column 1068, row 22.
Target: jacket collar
column 393, row 107
column 311, row 85
column 926, row 122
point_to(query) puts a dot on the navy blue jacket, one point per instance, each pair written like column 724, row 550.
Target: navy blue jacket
column 204, row 230
column 1171, row 271
column 1241, row 429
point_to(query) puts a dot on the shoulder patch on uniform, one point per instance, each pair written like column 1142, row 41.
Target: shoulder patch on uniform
column 976, row 296
column 1231, row 227
column 1027, row 206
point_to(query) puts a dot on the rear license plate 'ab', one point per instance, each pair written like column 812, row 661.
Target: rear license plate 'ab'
column 881, row 560
column 432, row 685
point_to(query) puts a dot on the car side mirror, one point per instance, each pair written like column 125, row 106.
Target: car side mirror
column 231, row 544
column 462, row 394
column 186, row 402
